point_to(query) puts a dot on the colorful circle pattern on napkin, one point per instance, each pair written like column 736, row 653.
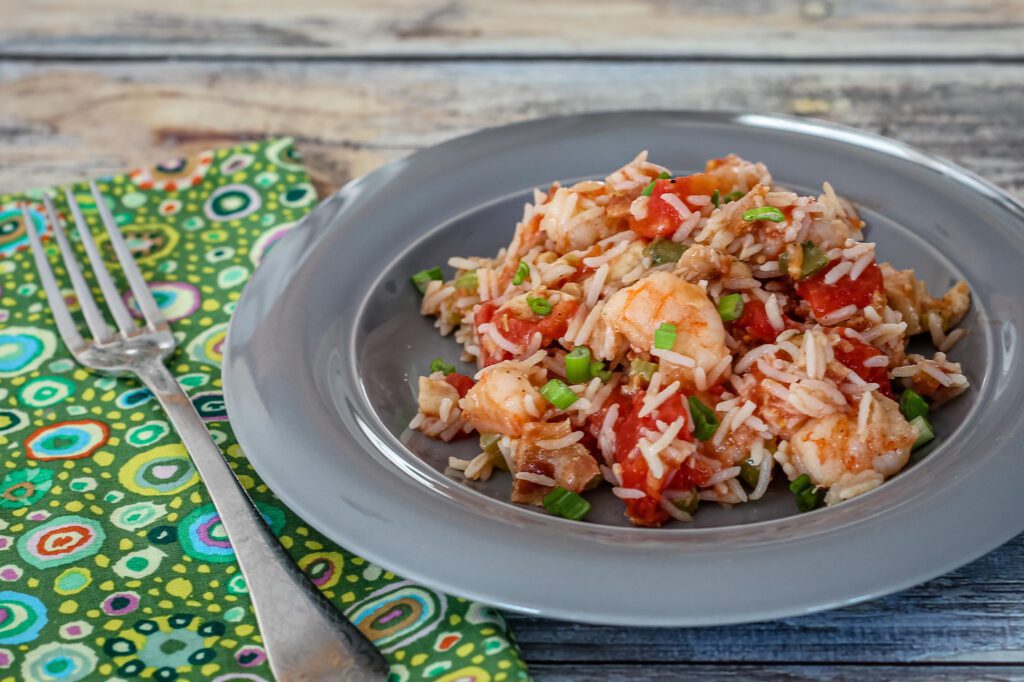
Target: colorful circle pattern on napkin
column 113, row 560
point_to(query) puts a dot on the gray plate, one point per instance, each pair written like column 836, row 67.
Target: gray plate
column 326, row 343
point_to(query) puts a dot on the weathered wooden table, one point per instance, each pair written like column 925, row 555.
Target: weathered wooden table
column 89, row 88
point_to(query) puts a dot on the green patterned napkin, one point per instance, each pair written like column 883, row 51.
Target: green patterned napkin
column 113, row 563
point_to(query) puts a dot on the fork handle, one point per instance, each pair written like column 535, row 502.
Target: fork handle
column 305, row 637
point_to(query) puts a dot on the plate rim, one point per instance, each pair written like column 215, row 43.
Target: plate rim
column 802, row 126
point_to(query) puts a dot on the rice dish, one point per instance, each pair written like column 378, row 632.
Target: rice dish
column 686, row 339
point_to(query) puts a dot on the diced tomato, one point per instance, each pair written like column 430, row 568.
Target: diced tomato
column 647, row 511
column 551, row 326
column 489, row 353
column 662, row 220
column 828, row 298
column 754, row 321
column 853, row 353
column 460, row 382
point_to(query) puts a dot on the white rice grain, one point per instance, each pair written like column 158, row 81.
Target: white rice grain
column 687, row 227
column 607, row 256
column 594, row 285
column 935, row 328
column 837, row 316
column 673, row 357
column 653, row 401
column 445, row 410
column 463, row 263
column 863, row 413
column 674, row 511
column 558, row 443
column 723, row 476
column 861, row 264
column 628, row 493
column 539, row 479
column 677, row 204
column 752, row 355
column 718, row 370
column 583, row 335
column 952, row 338
column 838, row 272
column 935, row 373
column 774, row 314
column 773, row 372
column 877, row 361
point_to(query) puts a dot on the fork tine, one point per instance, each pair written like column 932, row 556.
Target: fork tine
column 117, row 308
column 93, row 317
column 61, row 314
column 136, row 282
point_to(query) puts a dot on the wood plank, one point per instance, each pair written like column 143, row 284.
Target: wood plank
column 971, row 616
column 771, row 673
column 62, row 121
column 777, row 29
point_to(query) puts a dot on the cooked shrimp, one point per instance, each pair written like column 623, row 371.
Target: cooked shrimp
column 637, row 311
column 502, row 401
column 625, row 262
column 735, row 174
column 571, row 226
column 910, row 297
column 833, row 451
column 434, row 390
column 703, row 262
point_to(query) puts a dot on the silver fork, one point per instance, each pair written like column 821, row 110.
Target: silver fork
column 304, row 636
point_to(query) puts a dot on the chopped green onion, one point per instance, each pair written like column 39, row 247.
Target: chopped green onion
column 663, row 251
column 764, row 213
column 808, row 496
column 466, row 281
column 541, row 306
column 597, row 370
column 730, row 307
column 813, row 262
column 715, row 198
column 497, row 460
column 489, row 443
column 422, row 278
column 705, row 421
column 649, row 189
column 522, row 272
column 643, row 369
column 924, row 430
column 665, row 336
column 912, row 405
column 688, row 504
column 750, row 473
column 566, row 503
column 734, row 196
column 439, row 365
column 809, row 499
column 800, row 483
column 577, row 365
column 558, row 394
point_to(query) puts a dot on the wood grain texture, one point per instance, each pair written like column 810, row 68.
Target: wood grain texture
column 771, row 673
column 972, row 616
column 778, row 29
column 72, row 120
